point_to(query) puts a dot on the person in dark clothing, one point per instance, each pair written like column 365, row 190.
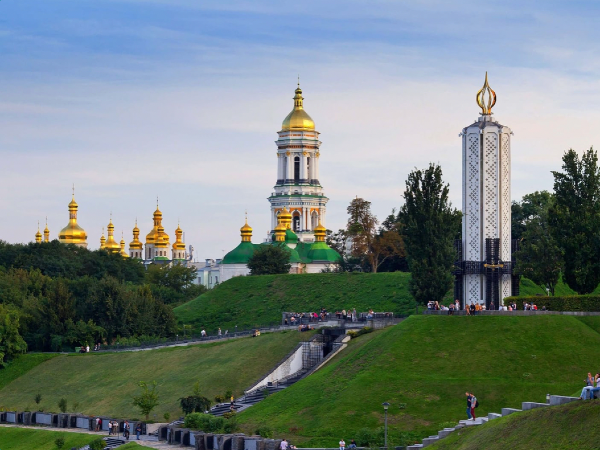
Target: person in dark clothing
column 469, row 397
column 472, row 309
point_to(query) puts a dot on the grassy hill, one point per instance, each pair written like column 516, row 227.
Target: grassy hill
column 571, row 426
column 260, row 300
column 423, row 367
column 105, row 383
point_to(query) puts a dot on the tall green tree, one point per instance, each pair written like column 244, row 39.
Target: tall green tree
column 148, row 398
column 270, row 260
column 540, row 257
column 574, row 219
column 429, row 224
column 11, row 342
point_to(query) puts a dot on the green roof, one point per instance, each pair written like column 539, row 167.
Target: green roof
column 320, row 251
column 239, row 255
column 291, row 237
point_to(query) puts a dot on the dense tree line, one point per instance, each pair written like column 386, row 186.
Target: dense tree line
column 55, row 296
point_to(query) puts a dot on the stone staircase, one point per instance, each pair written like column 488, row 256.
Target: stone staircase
column 555, row 400
column 111, row 442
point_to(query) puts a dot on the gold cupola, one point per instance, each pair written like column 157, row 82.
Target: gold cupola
column 73, row 233
column 152, row 237
column 280, row 230
column 320, row 232
column 102, row 240
column 136, row 244
column 111, row 245
column 246, row 232
column 286, row 218
column 122, row 244
column 298, row 119
column 46, row 232
column 179, row 244
column 38, row 235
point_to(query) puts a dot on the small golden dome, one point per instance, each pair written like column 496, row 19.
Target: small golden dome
column 298, row 119
column 122, row 244
column 102, row 239
column 246, row 232
column 136, row 244
column 320, row 232
column 286, row 218
column 111, row 245
column 280, row 230
column 38, row 235
column 178, row 244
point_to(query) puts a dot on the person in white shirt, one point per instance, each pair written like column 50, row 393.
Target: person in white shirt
column 342, row 444
column 283, row 445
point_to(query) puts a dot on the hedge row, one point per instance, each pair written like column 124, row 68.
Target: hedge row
column 588, row 303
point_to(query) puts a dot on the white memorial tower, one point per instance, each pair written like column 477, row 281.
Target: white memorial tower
column 484, row 270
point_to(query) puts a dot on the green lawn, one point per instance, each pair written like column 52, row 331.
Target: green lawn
column 22, row 365
column 423, row 368
column 105, row 383
column 28, row 439
column 260, row 300
column 567, row 427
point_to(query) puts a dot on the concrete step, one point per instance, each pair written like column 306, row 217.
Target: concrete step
column 492, row 416
column 561, row 400
column 507, row 411
column 445, row 432
column 527, row 406
column 414, row 447
column 430, row 440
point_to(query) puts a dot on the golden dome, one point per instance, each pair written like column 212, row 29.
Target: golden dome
column 152, row 237
column 298, row 119
column 286, row 218
column 136, row 244
column 73, row 233
column 111, row 245
column 122, row 244
column 38, row 235
column 320, row 232
column 102, row 239
column 46, row 232
column 246, row 232
column 178, row 244
column 280, row 230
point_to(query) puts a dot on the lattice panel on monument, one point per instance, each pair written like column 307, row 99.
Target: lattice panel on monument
column 505, row 177
column 473, row 197
column 491, row 181
column 492, row 274
column 312, row 353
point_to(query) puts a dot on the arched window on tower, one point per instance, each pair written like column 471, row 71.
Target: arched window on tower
column 296, row 222
column 286, row 175
column 296, row 168
column 308, row 167
column 314, row 220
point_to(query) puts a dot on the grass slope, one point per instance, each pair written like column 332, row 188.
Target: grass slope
column 427, row 363
column 28, row 439
column 105, row 383
column 21, row 365
column 259, row 300
column 567, row 427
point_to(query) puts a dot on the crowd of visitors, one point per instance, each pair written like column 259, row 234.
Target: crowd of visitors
column 475, row 307
column 349, row 315
column 587, row 393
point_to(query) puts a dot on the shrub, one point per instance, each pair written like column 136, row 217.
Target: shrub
column 38, row 398
column 97, row 444
column 229, row 415
column 167, row 416
column 231, row 426
column 264, row 431
column 204, row 422
column 367, row 437
column 62, row 405
column 589, row 303
column 59, row 442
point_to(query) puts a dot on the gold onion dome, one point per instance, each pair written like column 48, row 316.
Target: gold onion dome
column 286, row 218
column 38, row 235
column 136, row 244
column 122, row 244
column 280, row 231
column 73, row 233
column 111, row 245
column 246, row 232
column 153, row 236
column 486, row 105
column 102, row 240
column 46, row 232
column 178, row 244
column 298, row 119
column 320, row 231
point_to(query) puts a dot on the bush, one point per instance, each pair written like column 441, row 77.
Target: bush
column 231, row 426
column 204, row 422
column 97, row 444
column 589, row 303
column 59, row 442
column 354, row 334
column 367, row 437
column 264, row 431
column 229, row 415
column 62, row 405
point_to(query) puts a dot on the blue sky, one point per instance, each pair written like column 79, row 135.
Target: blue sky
column 182, row 99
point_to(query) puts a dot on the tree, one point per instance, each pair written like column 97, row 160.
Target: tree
column 62, row 405
column 148, row 398
column 11, row 342
column 370, row 243
column 540, row 258
column 195, row 402
column 574, row 219
column 270, row 260
column 430, row 225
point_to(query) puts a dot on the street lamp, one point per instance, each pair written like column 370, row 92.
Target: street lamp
column 386, row 405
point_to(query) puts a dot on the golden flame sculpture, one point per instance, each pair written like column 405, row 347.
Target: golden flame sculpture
column 486, row 106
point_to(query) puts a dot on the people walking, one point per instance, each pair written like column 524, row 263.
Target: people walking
column 126, row 430
column 138, row 430
column 468, row 405
column 473, row 406
column 109, row 428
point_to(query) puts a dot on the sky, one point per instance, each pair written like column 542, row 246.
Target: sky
column 130, row 100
